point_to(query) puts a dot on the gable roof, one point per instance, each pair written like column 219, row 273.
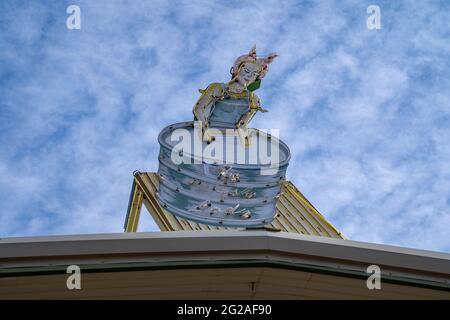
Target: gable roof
column 294, row 213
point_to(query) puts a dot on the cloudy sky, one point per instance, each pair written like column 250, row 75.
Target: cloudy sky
column 366, row 113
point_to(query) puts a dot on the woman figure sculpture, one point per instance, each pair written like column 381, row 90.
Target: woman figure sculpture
column 233, row 104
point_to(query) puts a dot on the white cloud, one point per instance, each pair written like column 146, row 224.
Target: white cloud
column 365, row 113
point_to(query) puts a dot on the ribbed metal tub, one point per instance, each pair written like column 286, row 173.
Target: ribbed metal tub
column 208, row 187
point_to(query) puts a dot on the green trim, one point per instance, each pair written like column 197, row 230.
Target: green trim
column 143, row 266
column 254, row 85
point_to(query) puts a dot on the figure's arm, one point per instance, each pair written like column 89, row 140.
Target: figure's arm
column 242, row 125
column 255, row 105
column 202, row 108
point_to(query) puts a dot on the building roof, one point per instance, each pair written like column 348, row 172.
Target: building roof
column 294, row 213
column 299, row 256
column 217, row 264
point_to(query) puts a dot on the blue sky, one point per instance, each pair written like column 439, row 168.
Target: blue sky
column 366, row 113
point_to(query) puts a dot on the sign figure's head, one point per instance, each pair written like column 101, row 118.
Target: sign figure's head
column 249, row 68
